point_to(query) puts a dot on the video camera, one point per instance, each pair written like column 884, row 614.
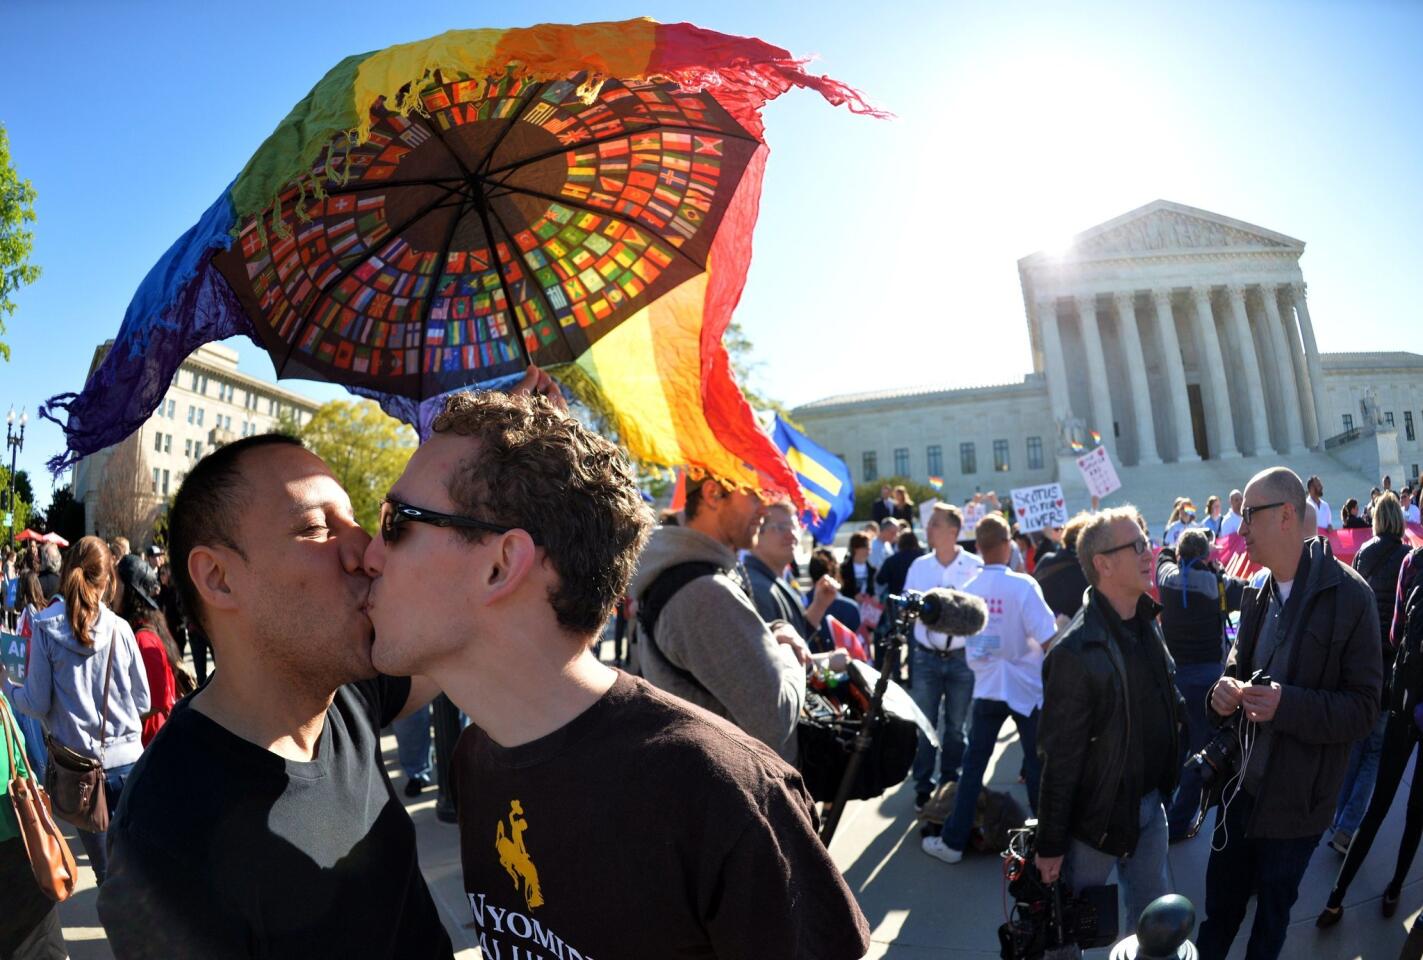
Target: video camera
column 1218, row 762
column 1047, row 922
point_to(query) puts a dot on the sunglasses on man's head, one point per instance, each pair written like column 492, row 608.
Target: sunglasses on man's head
column 394, row 514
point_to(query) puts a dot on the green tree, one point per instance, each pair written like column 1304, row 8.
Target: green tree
column 17, row 207
column 364, row 448
column 23, row 506
column 66, row 514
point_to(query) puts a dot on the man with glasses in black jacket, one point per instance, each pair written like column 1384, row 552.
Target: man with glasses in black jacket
column 1109, row 732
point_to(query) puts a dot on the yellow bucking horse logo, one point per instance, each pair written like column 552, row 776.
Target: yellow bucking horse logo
column 515, row 859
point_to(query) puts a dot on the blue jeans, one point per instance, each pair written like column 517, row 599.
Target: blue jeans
column 1271, row 869
column 1141, row 876
column 1194, row 681
column 947, row 683
column 412, row 744
column 1359, row 781
column 988, row 717
column 96, row 845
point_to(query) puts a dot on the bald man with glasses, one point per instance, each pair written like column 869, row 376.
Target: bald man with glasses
column 1311, row 629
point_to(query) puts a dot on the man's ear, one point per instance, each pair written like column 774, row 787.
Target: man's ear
column 514, row 557
column 208, row 567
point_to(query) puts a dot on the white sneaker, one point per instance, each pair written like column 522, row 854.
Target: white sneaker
column 935, row 847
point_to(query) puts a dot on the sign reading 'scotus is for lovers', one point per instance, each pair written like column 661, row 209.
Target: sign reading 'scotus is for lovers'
column 1040, row 507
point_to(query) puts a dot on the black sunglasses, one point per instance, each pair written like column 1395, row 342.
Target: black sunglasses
column 1139, row 545
column 394, row 514
column 1246, row 513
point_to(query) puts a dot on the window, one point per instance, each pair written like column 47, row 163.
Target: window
column 165, row 483
column 195, row 381
column 201, row 411
column 1348, row 422
column 192, row 412
column 934, row 460
column 227, row 422
column 1035, row 453
column 158, row 443
column 1415, row 471
column 198, row 450
column 869, row 466
column 1408, row 424
column 1388, row 418
column 168, row 443
column 271, row 406
column 203, row 387
column 1000, row 456
column 176, row 374
column 155, row 479
column 901, row 461
column 188, row 447
column 968, row 458
column 172, row 409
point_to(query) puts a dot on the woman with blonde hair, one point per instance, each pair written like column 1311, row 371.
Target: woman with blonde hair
column 77, row 645
column 903, row 506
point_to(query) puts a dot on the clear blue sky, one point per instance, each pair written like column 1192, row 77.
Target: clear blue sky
column 886, row 253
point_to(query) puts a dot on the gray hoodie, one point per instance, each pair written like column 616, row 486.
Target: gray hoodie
column 710, row 629
column 65, row 685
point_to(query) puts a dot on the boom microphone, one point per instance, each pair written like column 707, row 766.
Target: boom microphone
column 953, row 612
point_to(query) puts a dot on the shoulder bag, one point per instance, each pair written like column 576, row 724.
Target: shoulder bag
column 75, row 781
column 48, row 852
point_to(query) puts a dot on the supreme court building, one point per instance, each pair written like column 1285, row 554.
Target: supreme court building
column 1184, row 339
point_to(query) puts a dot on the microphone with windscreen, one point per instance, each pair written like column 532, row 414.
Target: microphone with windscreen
column 953, row 612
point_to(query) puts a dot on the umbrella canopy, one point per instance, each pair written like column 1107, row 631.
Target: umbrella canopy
column 31, row 535
column 446, row 212
column 55, row 539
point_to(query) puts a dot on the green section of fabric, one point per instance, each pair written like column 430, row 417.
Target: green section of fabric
column 9, row 826
column 287, row 156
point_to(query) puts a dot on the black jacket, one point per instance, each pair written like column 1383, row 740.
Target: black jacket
column 1378, row 562
column 895, row 570
column 849, row 586
column 1091, row 769
column 1330, row 696
column 881, row 511
column 1061, row 577
column 1194, row 604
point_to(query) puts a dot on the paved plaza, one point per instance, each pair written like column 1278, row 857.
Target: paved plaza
column 918, row 908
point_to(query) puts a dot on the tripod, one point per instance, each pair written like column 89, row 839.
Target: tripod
column 903, row 612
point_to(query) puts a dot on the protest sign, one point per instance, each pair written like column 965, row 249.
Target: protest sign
column 12, row 654
column 972, row 513
column 1040, row 507
column 1099, row 473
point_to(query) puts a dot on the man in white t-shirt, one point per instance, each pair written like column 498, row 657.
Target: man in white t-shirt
column 1230, row 523
column 1410, row 509
column 1007, row 662
column 941, row 675
column 1323, row 517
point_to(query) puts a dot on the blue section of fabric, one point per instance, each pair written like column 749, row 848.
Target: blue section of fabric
column 421, row 413
column 183, row 303
column 842, row 503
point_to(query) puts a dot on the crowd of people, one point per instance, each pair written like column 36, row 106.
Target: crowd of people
column 242, row 797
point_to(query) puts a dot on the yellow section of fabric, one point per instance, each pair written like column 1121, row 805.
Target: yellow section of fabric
column 612, row 49
column 648, row 371
column 813, row 471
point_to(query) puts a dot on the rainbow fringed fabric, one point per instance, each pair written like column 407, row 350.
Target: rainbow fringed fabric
column 442, row 213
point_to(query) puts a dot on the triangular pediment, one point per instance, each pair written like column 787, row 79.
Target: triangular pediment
column 1165, row 227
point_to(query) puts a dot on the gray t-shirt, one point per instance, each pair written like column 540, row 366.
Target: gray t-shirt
column 1272, row 654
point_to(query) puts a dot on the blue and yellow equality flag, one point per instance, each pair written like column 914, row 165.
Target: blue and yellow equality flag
column 824, row 479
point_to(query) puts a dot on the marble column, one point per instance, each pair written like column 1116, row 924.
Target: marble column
column 1136, row 377
column 1311, row 359
column 1053, row 366
column 1214, row 368
column 1175, row 378
column 1096, row 372
column 1255, row 390
column 1284, row 361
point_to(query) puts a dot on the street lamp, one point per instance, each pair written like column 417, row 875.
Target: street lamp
column 14, row 441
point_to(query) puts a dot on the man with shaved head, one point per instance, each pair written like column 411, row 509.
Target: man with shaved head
column 1309, row 639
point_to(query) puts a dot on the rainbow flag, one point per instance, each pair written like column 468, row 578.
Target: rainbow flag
column 1077, row 447
column 1096, row 438
column 937, row 483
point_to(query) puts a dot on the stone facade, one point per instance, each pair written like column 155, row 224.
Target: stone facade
column 1181, row 337
column 209, row 403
